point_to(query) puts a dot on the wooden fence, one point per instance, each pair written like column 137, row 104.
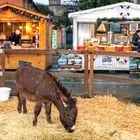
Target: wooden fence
column 88, row 73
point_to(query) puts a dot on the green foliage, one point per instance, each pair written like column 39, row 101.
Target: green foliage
column 64, row 21
column 87, row 4
column 44, row 9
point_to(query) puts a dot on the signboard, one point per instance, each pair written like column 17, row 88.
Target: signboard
column 111, row 63
column 54, row 39
column 101, row 62
column 70, row 62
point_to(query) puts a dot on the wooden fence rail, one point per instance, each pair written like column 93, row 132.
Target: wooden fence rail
column 88, row 74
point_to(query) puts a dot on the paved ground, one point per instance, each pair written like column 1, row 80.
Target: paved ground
column 123, row 91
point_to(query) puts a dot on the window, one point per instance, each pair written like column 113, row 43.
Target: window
column 24, row 3
column 138, row 1
column 115, row 28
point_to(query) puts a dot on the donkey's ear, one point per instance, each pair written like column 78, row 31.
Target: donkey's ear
column 74, row 99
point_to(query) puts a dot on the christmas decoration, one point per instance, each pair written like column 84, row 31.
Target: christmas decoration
column 24, row 13
column 122, row 19
column 124, row 10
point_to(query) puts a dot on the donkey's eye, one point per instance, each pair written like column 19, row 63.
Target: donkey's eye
column 71, row 118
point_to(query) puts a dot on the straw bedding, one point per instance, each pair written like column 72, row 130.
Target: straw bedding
column 99, row 118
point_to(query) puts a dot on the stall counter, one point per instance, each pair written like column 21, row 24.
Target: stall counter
column 37, row 57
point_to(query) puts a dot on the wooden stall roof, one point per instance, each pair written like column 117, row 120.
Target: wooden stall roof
column 23, row 9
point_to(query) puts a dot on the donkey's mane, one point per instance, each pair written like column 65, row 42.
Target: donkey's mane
column 65, row 92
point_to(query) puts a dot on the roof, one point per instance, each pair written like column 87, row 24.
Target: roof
column 23, row 9
column 126, row 9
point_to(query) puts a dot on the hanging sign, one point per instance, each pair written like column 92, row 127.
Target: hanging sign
column 54, row 39
column 1, row 62
column 36, row 39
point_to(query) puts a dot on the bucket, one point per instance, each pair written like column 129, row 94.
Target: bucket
column 81, row 47
column 4, row 93
column 101, row 48
column 126, row 48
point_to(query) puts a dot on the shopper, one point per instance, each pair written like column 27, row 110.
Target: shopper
column 136, row 40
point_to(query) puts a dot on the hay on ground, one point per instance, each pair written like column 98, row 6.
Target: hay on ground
column 99, row 118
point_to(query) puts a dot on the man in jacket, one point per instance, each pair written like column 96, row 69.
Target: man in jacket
column 136, row 40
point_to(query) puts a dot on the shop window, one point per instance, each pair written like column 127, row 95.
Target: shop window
column 115, row 28
column 24, row 3
column 124, row 28
column 138, row 26
column 8, row 29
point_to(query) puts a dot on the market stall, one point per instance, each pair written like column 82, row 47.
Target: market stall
column 23, row 29
column 107, row 28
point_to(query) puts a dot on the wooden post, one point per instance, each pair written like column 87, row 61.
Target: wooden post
column 91, row 74
column 86, row 73
column 2, row 66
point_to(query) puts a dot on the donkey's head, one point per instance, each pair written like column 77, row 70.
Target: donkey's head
column 68, row 118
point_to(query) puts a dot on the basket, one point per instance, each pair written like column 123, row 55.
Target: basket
column 119, row 48
column 110, row 48
column 91, row 48
column 126, row 48
column 101, row 48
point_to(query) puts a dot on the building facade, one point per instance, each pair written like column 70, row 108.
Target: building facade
column 57, row 8
column 28, row 4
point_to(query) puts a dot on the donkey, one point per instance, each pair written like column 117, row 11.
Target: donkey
column 43, row 88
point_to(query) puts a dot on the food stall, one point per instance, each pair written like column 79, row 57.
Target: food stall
column 107, row 28
column 22, row 32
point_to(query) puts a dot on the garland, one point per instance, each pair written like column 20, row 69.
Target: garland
column 24, row 13
column 115, row 20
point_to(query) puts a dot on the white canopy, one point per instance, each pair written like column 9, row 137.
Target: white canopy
column 126, row 9
column 119, row 10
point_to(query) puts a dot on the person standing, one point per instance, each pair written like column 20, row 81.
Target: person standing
column 136, row 45
column 136, row 40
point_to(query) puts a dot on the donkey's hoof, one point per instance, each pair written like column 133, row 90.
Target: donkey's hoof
column 49, row 121
column 34, row 123
column 19, row 111
column 25, row 112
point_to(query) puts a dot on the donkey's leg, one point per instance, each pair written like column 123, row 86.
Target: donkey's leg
column 19, row 107
column 24, row 106
column 37, row 111
column 48, row 105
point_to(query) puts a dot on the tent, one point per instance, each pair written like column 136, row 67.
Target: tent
column 82, row 20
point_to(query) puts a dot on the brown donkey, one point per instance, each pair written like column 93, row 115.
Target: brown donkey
column 39, row 86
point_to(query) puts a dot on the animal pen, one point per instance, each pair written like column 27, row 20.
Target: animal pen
column 101, row 117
